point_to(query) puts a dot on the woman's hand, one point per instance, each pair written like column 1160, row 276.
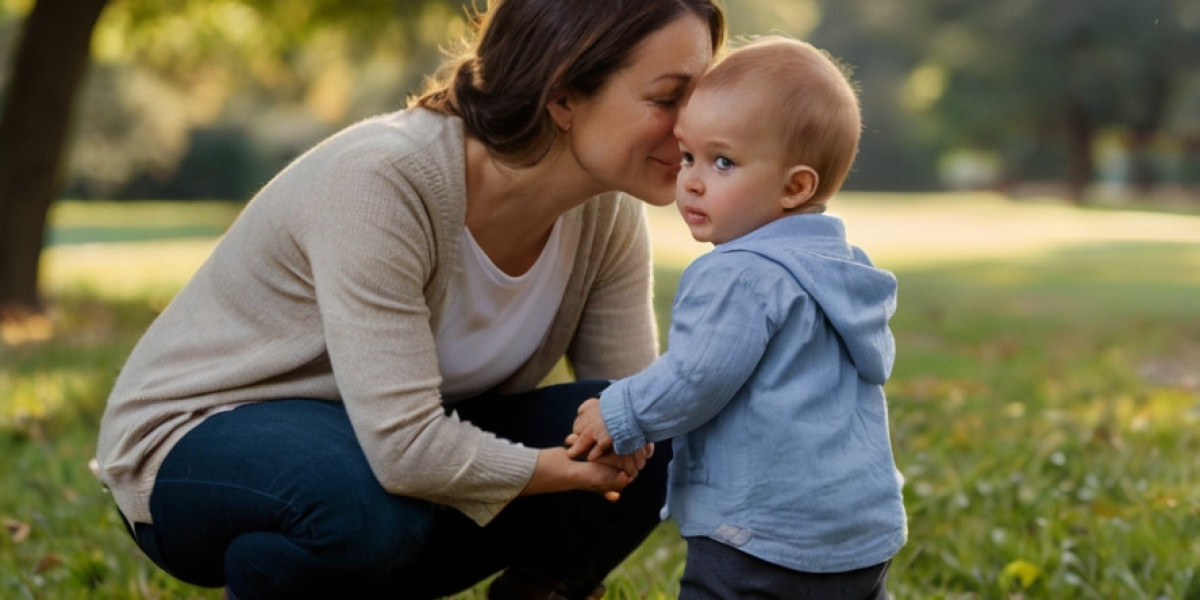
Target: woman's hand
column 630, row 463
column 556, row 472
column 590, row 440
column 587, row 465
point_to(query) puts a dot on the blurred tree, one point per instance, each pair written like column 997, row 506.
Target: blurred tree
column 49, row 65
column 1158, row 69
column 871, row 38
column 1058, row 72
column 199, row 44
column 880, row 41
column 220, row 66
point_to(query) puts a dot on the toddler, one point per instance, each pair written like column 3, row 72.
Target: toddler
column 783, row 481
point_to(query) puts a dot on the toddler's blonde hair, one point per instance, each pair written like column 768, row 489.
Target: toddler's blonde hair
column 808, row 91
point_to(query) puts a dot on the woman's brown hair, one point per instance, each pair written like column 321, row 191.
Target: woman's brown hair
column 527, row 50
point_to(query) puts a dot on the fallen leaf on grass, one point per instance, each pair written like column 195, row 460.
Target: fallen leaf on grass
column 17, row 530
column 49, row 561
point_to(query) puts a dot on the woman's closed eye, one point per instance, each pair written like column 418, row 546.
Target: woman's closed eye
column 668, row 98
column 667, row 101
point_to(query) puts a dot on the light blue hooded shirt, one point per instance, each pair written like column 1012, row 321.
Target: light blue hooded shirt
column 772, row 388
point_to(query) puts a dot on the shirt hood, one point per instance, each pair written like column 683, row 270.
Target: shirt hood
column 857, row 298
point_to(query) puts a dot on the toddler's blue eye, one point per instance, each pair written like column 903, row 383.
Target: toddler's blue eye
column 722, row 163
column 687, row 159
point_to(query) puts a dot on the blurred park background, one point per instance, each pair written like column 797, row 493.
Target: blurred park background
column 1093, row 101
column 1030, row 169
column 208, row 98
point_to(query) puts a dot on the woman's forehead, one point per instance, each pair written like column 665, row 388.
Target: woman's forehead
column 681, row 50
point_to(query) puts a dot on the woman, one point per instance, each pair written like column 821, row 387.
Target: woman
column 342, row 400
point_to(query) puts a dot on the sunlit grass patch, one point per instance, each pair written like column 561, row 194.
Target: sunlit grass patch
column 154, row 269
column 127, row 250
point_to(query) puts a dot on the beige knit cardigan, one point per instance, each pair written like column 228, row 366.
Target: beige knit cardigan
column 326, row 287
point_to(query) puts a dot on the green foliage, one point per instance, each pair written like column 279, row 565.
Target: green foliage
column 1021, row 79
column 938, row 77
column 182, row 88
column 1044, row 413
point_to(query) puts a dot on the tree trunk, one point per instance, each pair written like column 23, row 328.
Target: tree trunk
column 1080, row 133
column 1142, row 175
column 1154, row 95
column 51, row 58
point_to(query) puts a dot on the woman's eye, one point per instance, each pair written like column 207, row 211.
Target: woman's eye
column 667, row 101
column 722, row 163
column 687, row 159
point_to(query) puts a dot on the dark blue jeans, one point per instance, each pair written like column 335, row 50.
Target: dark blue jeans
column 276, row 500
column 716, row 571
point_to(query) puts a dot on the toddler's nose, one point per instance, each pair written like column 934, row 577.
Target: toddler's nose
column 690, row 182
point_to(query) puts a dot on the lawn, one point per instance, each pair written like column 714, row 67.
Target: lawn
column 1045, row 400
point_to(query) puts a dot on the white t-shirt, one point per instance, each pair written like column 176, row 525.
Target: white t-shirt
column 493, row 322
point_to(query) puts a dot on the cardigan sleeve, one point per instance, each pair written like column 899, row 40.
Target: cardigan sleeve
column 617, row 336
column 323, row 288
column 372, row 253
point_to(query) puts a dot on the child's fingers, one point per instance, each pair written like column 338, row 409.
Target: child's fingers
column 579, row 447
column 599, row 449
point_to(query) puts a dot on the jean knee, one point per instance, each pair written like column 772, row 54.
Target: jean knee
column 373, row 536
column 262, row 564
column 398, row 535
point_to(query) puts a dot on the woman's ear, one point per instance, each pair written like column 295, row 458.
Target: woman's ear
column 801, row 184
column 560, row 110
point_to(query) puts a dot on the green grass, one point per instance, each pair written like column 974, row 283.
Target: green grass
column 1045, row 409
column 106, row 222
column 1044, row 414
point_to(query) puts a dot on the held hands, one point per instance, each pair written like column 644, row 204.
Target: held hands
column 588, row 463
column 557, row 473
column 590, row 441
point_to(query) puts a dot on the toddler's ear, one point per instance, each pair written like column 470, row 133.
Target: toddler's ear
column 801, row 184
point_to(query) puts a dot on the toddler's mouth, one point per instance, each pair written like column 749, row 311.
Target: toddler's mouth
column 692, row 216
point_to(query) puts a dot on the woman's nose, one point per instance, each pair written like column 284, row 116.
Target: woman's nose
column 670, row 152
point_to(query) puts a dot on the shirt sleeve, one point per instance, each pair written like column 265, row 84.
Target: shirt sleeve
column 722, row 321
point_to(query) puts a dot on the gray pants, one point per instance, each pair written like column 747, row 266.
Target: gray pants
column 716, row 571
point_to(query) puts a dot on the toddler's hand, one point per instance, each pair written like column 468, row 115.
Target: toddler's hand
column 589, row 439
